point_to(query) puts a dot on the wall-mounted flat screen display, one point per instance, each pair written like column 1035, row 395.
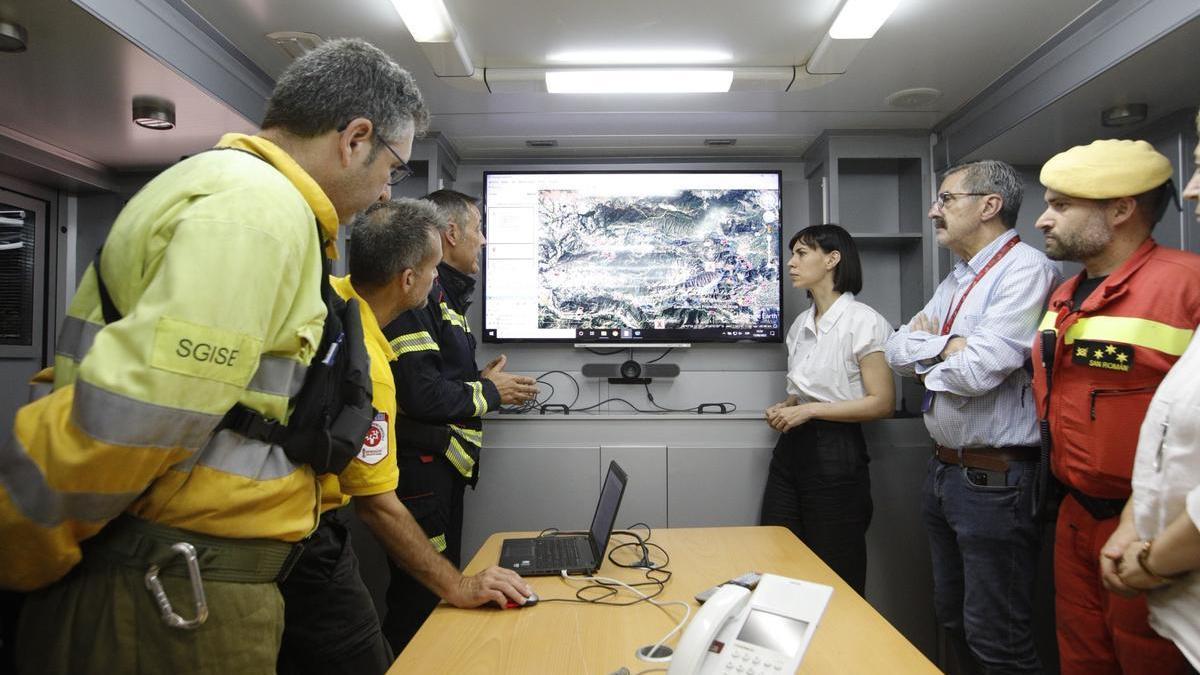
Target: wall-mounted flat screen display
column 629, row 257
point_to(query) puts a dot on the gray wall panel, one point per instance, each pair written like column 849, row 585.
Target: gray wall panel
column 531, row 488
column 645, row 499
column 709, row 486
column 899, row 577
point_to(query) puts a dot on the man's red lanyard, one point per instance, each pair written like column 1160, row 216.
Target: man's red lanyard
column 991, row 263
column 927, row 399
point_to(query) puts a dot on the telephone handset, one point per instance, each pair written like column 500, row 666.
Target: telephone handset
column 720, row 609
column 766, row 631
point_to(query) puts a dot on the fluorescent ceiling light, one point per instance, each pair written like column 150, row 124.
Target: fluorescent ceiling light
column 861, row 19
column 427, row 20
column 640, row 57
column 638, row 81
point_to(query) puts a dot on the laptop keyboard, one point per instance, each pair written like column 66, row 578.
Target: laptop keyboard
column 556, row 552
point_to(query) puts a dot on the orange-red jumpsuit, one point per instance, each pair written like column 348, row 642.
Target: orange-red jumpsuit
column 1110, row 354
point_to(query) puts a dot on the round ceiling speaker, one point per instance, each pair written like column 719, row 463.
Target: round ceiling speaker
column 13, row 37
column 918, row 97
column 153, row 112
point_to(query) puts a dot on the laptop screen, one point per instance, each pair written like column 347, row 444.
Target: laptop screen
column 606, row 509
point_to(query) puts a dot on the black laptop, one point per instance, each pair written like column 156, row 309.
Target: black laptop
column 576, row 553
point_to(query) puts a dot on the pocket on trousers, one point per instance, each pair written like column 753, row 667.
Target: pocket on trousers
column 997, row 482
column 428, row 512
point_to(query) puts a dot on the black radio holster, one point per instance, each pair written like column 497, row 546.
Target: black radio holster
column 332, row 413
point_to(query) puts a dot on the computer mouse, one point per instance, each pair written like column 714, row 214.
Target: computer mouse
column 530, row 601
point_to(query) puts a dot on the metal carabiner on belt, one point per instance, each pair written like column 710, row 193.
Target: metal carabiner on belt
column 169, row 616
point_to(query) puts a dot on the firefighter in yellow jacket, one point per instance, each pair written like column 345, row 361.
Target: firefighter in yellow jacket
column 331, row 623
column 214, row 270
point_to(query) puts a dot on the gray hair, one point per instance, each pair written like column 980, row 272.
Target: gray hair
column 992, row 176
column 391, row 237
column 342, row 80
column 455, row 206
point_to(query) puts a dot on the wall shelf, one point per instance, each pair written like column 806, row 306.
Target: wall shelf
column 877, row 186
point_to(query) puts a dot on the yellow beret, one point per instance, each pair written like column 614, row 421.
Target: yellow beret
column 1106, row 169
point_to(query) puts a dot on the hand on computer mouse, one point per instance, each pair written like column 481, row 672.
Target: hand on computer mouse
column 530, row 600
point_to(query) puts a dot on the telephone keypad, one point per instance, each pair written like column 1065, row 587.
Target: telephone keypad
column 743, row 658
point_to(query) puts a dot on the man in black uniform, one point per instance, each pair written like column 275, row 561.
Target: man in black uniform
column 442, row 396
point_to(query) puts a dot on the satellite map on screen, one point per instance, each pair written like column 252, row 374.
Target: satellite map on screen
column 690, row 259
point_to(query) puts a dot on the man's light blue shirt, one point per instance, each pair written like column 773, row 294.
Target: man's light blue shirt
column 981, row 394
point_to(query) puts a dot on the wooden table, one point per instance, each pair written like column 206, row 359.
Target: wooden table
column 568, row 638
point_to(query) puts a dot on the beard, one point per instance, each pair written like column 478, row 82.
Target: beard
column 1086, row 241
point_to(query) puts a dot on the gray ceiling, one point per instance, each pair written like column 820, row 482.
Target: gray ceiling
column 71, row 90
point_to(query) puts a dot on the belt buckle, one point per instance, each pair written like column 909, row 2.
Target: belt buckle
column 169, row 615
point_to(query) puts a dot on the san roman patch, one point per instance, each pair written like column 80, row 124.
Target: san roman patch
column 1106, row 355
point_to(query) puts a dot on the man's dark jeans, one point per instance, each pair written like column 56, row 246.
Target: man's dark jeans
column 984, row 543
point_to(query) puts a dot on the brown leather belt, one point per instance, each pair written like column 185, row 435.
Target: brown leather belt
column 988, row 459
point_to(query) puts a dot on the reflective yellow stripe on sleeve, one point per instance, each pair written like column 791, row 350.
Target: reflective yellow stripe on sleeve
column 459, row 457
column 454, row 318
column 1140, row 332
column 473, row 436
column 420, row 341
column 477, row 398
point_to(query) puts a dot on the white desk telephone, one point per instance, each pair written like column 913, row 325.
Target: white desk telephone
column 765, row 631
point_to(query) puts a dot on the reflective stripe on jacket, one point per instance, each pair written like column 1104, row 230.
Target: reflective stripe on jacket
column 215, row 268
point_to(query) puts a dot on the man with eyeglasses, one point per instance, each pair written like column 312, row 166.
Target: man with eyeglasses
column 126, row 476
column 969, row 346
column 1110, row 335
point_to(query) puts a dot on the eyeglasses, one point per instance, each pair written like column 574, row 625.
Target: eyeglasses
column 945, row 198
column 398, row 173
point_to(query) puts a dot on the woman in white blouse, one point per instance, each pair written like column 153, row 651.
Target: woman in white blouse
column 818, row 485
column 1156, row 548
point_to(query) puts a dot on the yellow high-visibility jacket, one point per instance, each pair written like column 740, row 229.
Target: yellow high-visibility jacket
column 215, row 268
column 374, row 471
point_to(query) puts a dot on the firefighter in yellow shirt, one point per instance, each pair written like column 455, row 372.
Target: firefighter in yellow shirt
column 331, row 625
column 213, row 274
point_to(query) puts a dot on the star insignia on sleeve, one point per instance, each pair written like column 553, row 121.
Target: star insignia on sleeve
column 1099, row 353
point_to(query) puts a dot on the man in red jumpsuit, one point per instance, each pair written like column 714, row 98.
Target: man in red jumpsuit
column 1108, row 337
